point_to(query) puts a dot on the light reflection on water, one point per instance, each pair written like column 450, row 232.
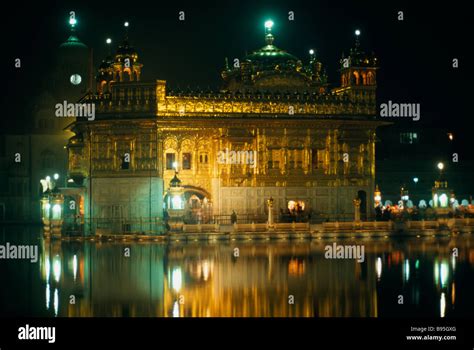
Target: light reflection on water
column 207, row 280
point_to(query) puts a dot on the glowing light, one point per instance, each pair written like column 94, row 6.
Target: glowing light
column 440, row 166
column 442, row 305
column 47, row 206
column 415, row 180
column 56, row 268
column 56, row 211
column 75, row 79
column 357, row 32
column 269, row 24
column 177, row 202
column 126, row 24
column 450, row 136
column 407, row 270
column 72, row 21
column 444, row 273
column 176, row 279
column 48, row 296
column 205, row 270
column 56, row 176
column 74, row 266
column 311, row 52
column 175, row 309
column 175, row 165
column 108, row 41
column 443, row 200
column 378, row 268
column 56, row 302
column 48, row 178
column 47, row 267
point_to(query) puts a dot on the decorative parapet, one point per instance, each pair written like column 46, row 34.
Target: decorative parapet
column 152, row 98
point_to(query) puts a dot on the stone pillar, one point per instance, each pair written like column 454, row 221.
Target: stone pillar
column 356, row 202
column 270, row 211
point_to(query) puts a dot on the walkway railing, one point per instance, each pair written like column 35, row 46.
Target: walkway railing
column 102, row 226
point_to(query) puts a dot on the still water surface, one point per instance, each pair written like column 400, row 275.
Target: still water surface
column 74, row 279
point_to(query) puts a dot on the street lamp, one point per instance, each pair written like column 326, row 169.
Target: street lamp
column 404, row 194
column 440, row 192
column 440, row 166
column 404, row 197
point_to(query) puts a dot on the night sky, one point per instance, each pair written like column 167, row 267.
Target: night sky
column 415, row 55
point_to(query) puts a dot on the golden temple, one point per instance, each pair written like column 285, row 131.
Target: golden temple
column 314, row 146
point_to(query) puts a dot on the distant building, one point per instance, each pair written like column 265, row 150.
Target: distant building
column 408, row 154
column 42, row 144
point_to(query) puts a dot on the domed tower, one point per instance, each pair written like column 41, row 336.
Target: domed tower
column 105, row 74
column 358, row 73
column 126, row 66
column 72, row 68
column 272, row 69
column 70, row 77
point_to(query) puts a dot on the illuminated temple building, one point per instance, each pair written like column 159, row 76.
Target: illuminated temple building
column 313, row 146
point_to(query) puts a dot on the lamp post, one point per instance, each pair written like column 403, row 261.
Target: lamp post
column 377, row 196
column 176, row 204
column 356, row 201
column 441, row 193
column 404, row 195
column 51, row 207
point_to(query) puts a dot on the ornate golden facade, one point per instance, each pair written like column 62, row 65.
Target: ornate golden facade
column 312, row 144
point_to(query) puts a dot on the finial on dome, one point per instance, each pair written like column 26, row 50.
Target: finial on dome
column 268, row 32
column 72, row 20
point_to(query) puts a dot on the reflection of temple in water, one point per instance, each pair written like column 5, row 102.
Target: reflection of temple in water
column 196, row 280
column 202, row 280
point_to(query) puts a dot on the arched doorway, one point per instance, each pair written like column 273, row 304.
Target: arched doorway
column 197, row 205
column 363, row 204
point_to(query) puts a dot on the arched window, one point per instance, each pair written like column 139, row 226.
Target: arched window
column 127, row 74
column 48, row 159
column 370, row 78
column 356, row 77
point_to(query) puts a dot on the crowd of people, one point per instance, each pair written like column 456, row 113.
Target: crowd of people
column 423, row 212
